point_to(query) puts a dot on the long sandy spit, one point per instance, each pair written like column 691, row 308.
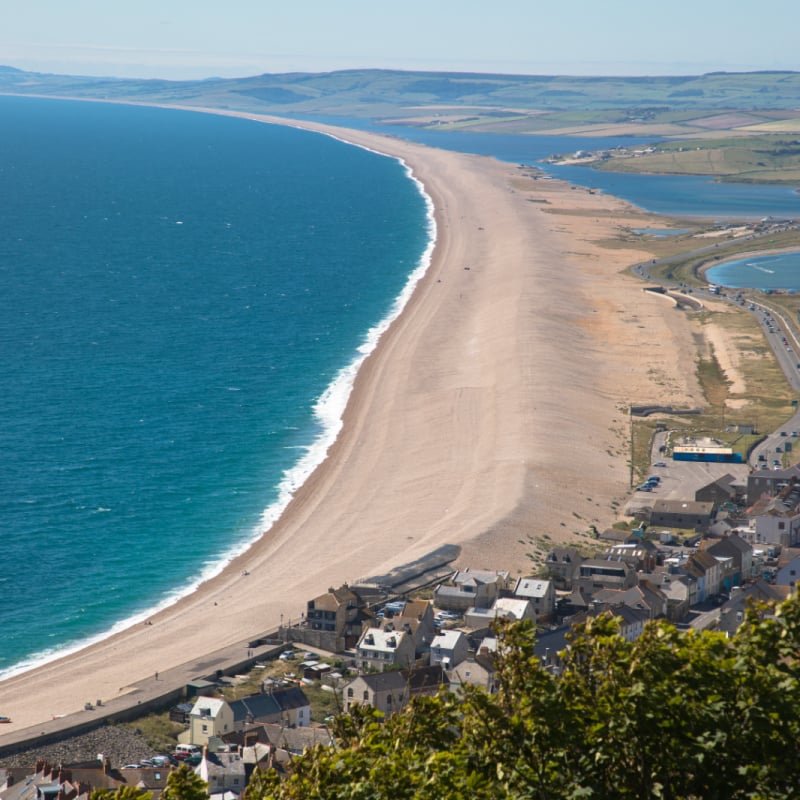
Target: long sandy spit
column 492, row 410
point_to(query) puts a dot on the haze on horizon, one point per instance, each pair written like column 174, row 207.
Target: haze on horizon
column 192, row 39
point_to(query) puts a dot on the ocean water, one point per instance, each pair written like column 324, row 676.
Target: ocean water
column 674, row 195
column 769, row 272
column 184, row 299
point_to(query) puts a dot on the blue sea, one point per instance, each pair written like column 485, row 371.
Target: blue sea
column 769, row 272
column 184, row 300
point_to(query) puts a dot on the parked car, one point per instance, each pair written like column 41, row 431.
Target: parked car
column 5, row 719
column 660, row 464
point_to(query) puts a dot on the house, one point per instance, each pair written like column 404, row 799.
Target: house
column 449, row 648
column 296, row 740
column 597, row 573
column 777, row 519
column 631, row 621
column 337, row 617
column 645, row 597
column 640, row 554
column 708, row 572
column 223, row 772
column 719, row 491
column 416, row 618
column 477, row 671
column 504, row 608
column 286, row 705
column 676, row 589
column 614, row 536
column 385, row 691
column 209, row 717
column 768, row 483
column 541, row 595
column 468, row 588
column 789, row 574
column 740, row 551
column 381, row 648
column 682, row 514
column 390, row 691
column 562, row 565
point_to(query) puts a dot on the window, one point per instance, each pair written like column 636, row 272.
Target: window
column 366, row 694
column 350, row 692
column 205, row 728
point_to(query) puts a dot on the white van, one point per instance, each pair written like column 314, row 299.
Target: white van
column 186, row 750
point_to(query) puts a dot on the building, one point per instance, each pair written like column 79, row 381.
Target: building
column 540, row 594
column 769, row 482
column 416, row 619
column 562, row 566
column 477, row 671
column 685, row 514
column 722, row 490
column 449, row 648
column 789, row 574
column 210, row 717
column 390, row 691
column 285, row 705
column 336, row 617
column 598, row 573
column 504, row 608
column 78, row 780
column 777, row 519
column 223, row 772
column 708, row 572
column 468, row 588
column 382, row 648
column 741, row 553
column 640, row 554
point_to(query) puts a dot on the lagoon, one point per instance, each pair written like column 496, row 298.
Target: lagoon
column 768, row 272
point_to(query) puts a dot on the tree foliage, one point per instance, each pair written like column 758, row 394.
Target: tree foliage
column 184, row 784
column 670, row 715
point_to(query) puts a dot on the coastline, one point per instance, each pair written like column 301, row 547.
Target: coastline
column 437, row 370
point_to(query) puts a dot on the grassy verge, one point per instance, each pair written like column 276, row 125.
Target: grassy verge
column 159, row 730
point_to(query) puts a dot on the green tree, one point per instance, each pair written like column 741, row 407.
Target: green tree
column 669, row 716
column 184, row 784
column 123, row 793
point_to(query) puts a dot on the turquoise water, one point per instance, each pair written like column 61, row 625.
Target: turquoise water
column 779, row 271
column 675, row 195
column 177, row 291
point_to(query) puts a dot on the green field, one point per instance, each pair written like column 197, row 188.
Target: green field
column 773, row 158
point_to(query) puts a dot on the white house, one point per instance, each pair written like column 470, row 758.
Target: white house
column 503, row 607
column 210, row 716
column 449, row 648
column 540, row 593
column 379, row 648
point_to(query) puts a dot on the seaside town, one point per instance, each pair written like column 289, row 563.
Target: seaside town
column 708, row 536
column 400, row 402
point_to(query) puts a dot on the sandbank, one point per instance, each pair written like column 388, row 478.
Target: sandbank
column 493, row 409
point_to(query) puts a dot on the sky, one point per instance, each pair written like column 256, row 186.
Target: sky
column 186, row 39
